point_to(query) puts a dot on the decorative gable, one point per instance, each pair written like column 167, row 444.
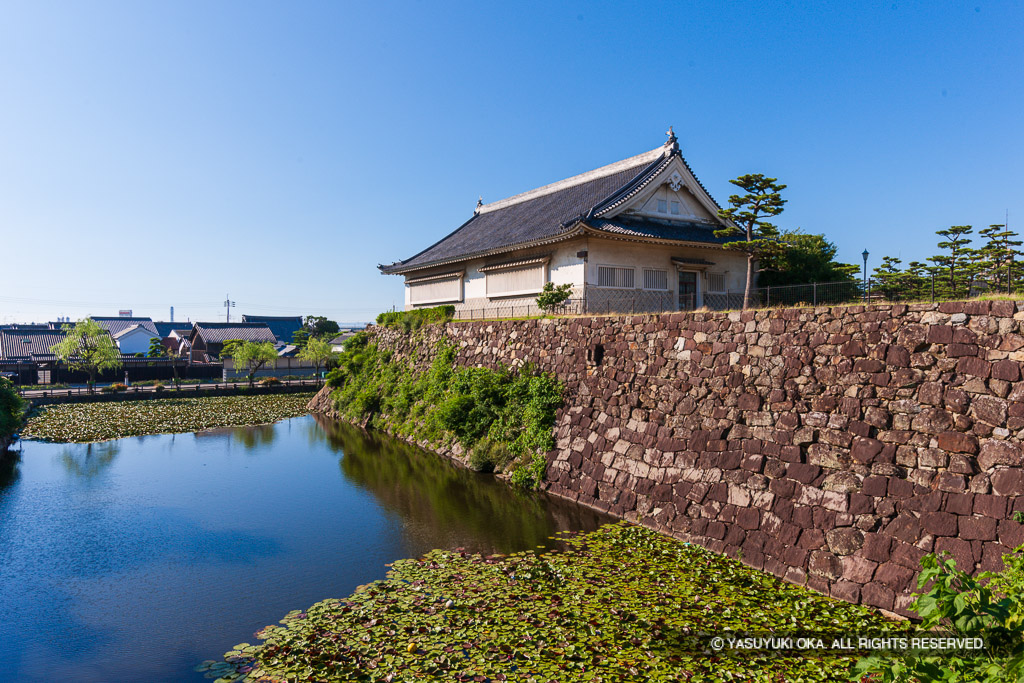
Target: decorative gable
column 673, row 193
column 665, row 202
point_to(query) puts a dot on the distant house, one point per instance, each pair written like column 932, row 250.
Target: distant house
column 164, row 328
column 338, row 343
column 29, row 345
column 207, row 339
column 637, row 234
column 134, row 339
column 286, row 350
column 113, row 324
column 283, row 327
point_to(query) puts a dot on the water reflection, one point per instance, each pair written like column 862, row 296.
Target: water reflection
column 8, row 468
column 253, row 437
column 135, row 559
column 430, row 492
column 89, row 460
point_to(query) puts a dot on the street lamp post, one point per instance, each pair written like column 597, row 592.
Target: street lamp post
column 865, row 255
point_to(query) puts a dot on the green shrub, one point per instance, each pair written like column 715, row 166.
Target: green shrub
column 12, row 410
column 113, row 388
column 551, row 297
column 416, row 318
column 511, row 413
column 489, row 456
column 989, row 605
column 270, row 382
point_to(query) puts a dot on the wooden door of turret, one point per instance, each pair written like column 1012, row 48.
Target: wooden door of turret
column 687, row 290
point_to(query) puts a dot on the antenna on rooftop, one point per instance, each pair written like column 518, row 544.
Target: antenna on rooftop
column 228, row 303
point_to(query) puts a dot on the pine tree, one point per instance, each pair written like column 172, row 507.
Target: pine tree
column 918, row 281
column 953, row 267
column 889, row 278
column 757, row 238
column 999, row 254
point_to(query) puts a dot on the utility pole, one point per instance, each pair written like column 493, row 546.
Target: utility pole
column 228, row 303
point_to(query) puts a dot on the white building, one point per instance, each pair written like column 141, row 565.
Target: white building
column 636, row 235
column 134, row 339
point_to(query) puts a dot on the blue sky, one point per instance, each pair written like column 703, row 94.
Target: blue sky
column 159, row 154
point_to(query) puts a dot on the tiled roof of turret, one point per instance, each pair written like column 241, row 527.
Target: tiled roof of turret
column 546, row 213
column 665, row 230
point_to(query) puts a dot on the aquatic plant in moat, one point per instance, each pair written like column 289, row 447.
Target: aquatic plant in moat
column 81, row 422
column 503, row 417
column 620, row 603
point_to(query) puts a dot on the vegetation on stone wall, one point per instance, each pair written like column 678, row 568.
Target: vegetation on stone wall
column 12, row 409
column 416, row 318
column 622, row 603
column 503, row 418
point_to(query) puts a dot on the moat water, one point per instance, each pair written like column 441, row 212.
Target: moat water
column 136, row 559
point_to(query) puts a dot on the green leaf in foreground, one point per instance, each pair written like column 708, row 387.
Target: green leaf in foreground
column 621, row 603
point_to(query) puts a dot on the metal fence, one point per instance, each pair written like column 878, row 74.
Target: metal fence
column 621, row 301
column 168, row 390
column 811, row 294
column 520, row 309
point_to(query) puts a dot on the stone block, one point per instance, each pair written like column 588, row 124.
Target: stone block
column 989, row 409
column 844, row 540
column 865, row 450
column 894, row 576
column 877, row 547
column 959, row 549
column 939, row 523
column 974, row 366
column 907, row 555
column 825, row 564
column 874, row 486
column 990, row 506
column 1008, row 482
column 977, row 528
column 878, row 595
column 1006, row 370
column 940, row 334
column 844, row 590
column 957, row 442
column 803, row 473
column 858, row 569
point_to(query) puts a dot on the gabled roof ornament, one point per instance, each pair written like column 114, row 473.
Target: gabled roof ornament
column 672, row 144
column 479, row 203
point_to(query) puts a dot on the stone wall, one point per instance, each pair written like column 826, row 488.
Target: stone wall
column 833, row 447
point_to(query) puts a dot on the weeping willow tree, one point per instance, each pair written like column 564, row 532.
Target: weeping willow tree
column 88, row 347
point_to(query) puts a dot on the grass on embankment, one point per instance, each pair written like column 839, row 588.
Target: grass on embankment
column 81, row 422
column 622, row 603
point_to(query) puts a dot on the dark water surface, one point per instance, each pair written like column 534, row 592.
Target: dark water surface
column 136, row 559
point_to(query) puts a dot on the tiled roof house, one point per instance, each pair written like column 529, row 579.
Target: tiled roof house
column 283, row 327
column 637, row 234
column 207, row 339
column 116, row 324
column 29, row 344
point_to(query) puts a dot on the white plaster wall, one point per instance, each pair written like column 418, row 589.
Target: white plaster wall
column 136, row 341
column 565, row 267
column 639, row 256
